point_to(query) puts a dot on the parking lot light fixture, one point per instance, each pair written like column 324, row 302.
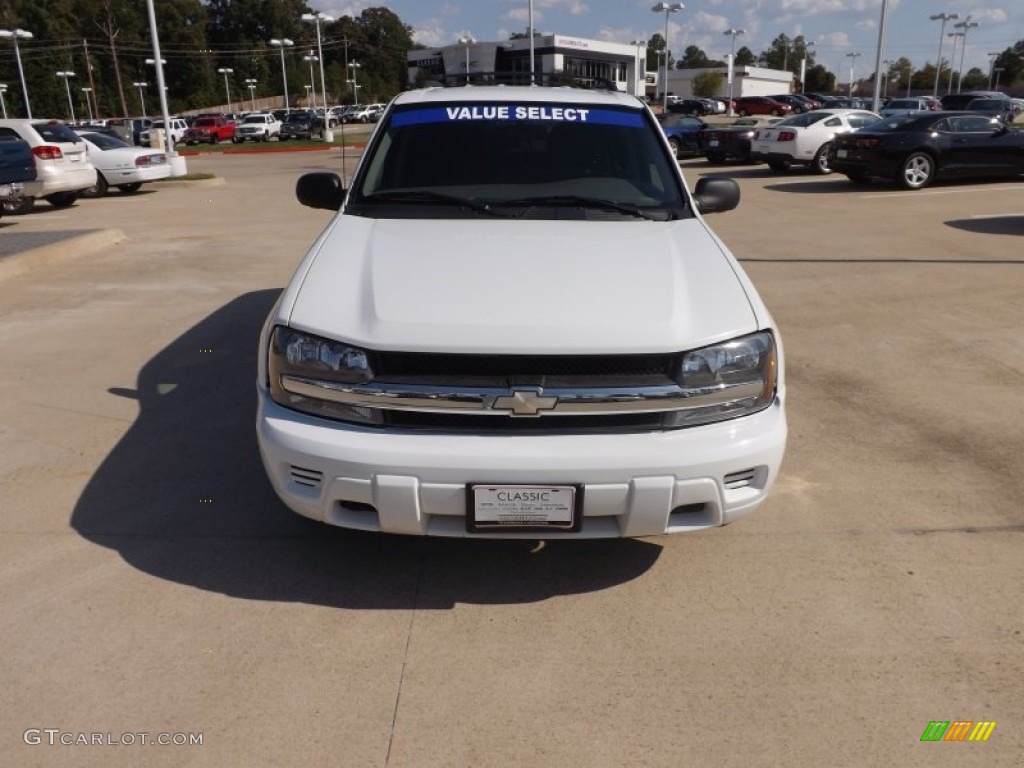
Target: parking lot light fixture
column 311, row 57
column 943, row 17
column 966, row 25
column 308, row 88
column 998, row 71
column 282, row 44
column 251, row 85
column 666, row 8
column 467, row 41
column 66, row 75
column 734, row 33
column 355, row 66
column 142, row 97
column 3, row 104
column 803, row 67
column 227, row 89
column 318, row 18
column 952, row 58
column 853, row 58
column 88, row 101
column 14, row 35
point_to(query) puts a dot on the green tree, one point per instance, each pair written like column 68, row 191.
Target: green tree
column 693, row 58
column 707, row 85
column 818, row 79
column 745, row 57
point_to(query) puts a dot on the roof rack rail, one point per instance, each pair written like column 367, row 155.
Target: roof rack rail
column 543, row 79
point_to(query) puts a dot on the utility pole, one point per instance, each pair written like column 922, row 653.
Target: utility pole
column 88, row 70
column 111, row 36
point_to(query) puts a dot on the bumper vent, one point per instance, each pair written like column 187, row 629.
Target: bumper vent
column 741, row 479
column 310, row 478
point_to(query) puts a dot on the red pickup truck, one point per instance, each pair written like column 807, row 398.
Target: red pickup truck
column 210, row 129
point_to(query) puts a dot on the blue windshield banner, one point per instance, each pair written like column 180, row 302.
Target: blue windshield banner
column 516, row 113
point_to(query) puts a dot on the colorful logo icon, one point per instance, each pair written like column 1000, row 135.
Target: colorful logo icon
column 958, row 730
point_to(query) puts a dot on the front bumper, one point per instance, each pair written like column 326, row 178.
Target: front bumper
column 638, row 484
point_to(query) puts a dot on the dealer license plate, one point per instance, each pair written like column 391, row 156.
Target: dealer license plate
column 841, row 153
column 508, row 508
column 713, row 143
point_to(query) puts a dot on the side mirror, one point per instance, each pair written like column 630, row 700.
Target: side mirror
column 320, row 190
column 715, row 195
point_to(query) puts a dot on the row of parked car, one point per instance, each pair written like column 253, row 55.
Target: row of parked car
column 913, row 147
column 70, row 163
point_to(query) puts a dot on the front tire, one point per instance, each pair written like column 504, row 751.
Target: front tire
column 99, row 189
column 20, row 206
column 778, row 166
column 130, row 189
column 917, row 171
column 820, row 164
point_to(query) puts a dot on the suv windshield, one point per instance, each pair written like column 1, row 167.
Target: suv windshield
column 520, row 156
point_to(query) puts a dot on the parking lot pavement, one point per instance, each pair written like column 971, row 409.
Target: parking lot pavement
column 152, row 583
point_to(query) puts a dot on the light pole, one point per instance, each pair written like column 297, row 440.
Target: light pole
column 998, row 71
column 88, row 101
column 311, row 58
column 15, row 35
column 251, row 84
column 317, row 18
column 3, row 90
column 67, row 75
column 991, row 68
column 641, row 48
column 307, row 86
column 885, row 77
column 142, row 99
column 853, row 59
column 666, row 8
column 731, row 72
column 227, row 89
column 952, row 58
column 803, row 68
column 354, row 66
column 282, row 44
column 467, row 41
column 966, row 25
column 944, row 17
column 910, row 79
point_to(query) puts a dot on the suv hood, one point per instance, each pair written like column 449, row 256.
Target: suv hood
column 518, row 287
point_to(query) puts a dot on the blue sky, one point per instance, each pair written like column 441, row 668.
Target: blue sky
column 838, row 27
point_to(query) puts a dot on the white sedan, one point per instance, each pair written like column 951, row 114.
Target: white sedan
column 805, row 139
column 122, row 165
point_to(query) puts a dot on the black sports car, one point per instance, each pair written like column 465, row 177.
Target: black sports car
column 914, row 150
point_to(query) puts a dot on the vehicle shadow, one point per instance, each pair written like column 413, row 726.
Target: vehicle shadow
column 183, row 497
column 811, row 187
column 1011, row 224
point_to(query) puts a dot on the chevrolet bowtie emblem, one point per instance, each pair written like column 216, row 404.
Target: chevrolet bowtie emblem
column 524, row 402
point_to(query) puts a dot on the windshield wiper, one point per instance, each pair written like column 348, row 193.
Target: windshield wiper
column 426, row 196
column 580, row 201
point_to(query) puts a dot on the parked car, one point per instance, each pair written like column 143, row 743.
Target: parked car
column 261, row 126
column 731, row 142
column 122, row 166
column 17, row 166
column 210, row 130
column 299, row 125
column 805, row 139
column 959, row 101
column 129, row 128
column 681, row 132
column 62, row 163
column 175, row 132
column 761, row 105
column 364, row 113
column 915, row 150
column 537, row 379
column 799, row 105
column 993, row 107
column 908, row 107
column 690, row 107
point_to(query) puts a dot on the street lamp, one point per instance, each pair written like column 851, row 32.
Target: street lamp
column 666, row 8
column 966, row 25
column 354, row 66
column 910, row 79
column 944, row 17
column 853, row 59
column 885, row 76
column 71, row 106
column 467, row 41
column 803, row 68
column 88, row 101
column 991, row 68
column 251, row 84
column 952, row 58
column 3, row 90
column 227, row 89
column 307, row 86
column 641, row 47
column 142, row 99
column 998, row 71
column 15, row 35
column 317, row 18
column 282, row 44
column 311, row 58
column 734, row 33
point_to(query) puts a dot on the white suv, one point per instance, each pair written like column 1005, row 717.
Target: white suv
column 63, row 169
column 258, row 127
column 519, row 325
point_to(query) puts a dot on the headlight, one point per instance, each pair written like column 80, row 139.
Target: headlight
column 736, row 378
column 302, row 361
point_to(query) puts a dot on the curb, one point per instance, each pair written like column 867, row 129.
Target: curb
column 58, row 252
